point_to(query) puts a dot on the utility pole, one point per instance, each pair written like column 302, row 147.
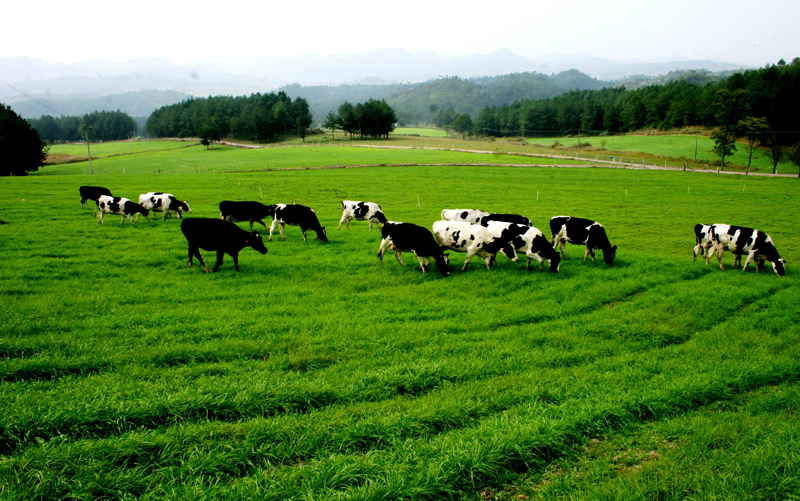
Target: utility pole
column 86, row 135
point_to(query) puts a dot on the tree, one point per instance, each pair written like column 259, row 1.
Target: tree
column 728, row 110
column 463, row 123
column 332, row 122
column 208, row 134
column 756, row 131
column 22, row 149
column 775, row 147
column 349, row 120
column 793, row 154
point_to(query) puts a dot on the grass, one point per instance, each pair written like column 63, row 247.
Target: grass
column 674, row 147
column 317, row 373
column 100, row 150
column 419, row 131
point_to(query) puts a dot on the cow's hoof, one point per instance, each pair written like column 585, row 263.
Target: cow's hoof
column 205, row 269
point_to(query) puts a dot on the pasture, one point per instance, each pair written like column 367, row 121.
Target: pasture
column 419, row 131
column 675, row 147
column 317, row 373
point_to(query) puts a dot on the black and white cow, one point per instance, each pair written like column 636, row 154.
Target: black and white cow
column 407, row 237
column 120, row 206
column 506, row 218
column 246, row 211
column 92, row 193
column 746, row 241
column 297, row 215
column 472, row 239
column 223, row 237
column 361, row 211
column 703, row 240
column 580, row 231
column 464, row 215
column 529, row 240
column 157, row 201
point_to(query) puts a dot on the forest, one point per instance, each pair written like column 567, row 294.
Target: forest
column 771, row 93
column 103, row 126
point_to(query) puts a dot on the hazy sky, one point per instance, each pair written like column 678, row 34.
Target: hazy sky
column 739, row 31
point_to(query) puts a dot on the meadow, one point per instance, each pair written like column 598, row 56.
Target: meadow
column 318, row 373
column 419, row 131
column 676, row 147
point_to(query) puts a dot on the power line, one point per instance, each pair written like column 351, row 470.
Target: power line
column 19, row 103
column 32, row 99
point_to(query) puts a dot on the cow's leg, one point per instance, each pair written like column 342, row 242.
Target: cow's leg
column 399, row 255
column 759, row 265
column 304, row 232
column 235, row 257
column 696, row 250
column 370, row 225
column 720, row 252
column 100, row 216
column 342, row 220
column 385, row 243
column 262, row 224
column 737, row 262
column 221, row 216
column 251, row 225
column 220, row 255
column 747, row 261
column 165, row 216
column 200, row 258
column 563, row 245
column 191, row 255
column 537, row 257
column 422, row 263
column 272, row 228
column 466, row 261
column 281, row 229
column 488, row 261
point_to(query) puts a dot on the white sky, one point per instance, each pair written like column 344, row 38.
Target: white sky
column 738, row 31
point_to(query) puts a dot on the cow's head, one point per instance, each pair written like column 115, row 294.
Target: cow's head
column 254, row 240
column 609, row 255
column 185, row 207
column 779, row 267
column 554, row 263
column 443, row 264
column 509, row 251
column 322, row 234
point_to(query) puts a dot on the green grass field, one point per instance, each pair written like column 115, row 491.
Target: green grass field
column 117, row 147
column 677, row 146
column 419, row 131
column 317, row 373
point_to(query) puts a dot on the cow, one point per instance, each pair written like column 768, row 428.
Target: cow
column 212, row 234
column 703, row 239
column 246, row 211
column 464, row 215
column 472, row 239
column 120, row 206
column 407, row 237
column 361, row 211
column 745, row 241
column 529, row 240
column 297, row 215
column 164, row 202
column 506, row 218
column 92, row 193
column 582, row 232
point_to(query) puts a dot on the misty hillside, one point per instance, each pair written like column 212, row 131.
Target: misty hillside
column 136, row 104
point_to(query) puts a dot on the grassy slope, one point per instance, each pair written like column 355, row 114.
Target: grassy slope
column 676, row 147
column 316, row 372
column 419, row 131
column 116, row 147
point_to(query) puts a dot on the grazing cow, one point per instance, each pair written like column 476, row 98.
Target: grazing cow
column 120, row 206
column 464, row 215
column 246, row 211
column 361, row 211
column 92, row 193
column 297, row 215
column 407, row 237
column 703, row 240
column 222, row 236
column 746, row 241
column 472, row 239
column 581, row 232
column 529, row 240
column 164, row 202
column 506, row 218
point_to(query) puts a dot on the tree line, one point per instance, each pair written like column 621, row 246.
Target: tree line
column 771, row 94
column 373, row 119
column 23, row 150
column 258, row 117
column 104, row 126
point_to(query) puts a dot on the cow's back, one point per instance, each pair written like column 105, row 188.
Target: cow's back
column 211, row 234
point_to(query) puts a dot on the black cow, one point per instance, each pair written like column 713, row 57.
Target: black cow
column 407, row 237
column 221, row 236
column 297, row 215
column 506, row 218
column 92, row 193
column 582, row 232
column 246, row 211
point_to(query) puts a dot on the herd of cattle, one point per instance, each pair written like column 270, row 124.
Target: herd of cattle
column 470, row 231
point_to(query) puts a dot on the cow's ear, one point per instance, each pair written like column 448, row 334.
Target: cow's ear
column 614, row 249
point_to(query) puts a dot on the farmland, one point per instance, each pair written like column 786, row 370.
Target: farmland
column 317, row 373
column 419, row 131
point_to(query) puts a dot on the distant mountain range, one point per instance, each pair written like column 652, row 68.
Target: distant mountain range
column 84, row 83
